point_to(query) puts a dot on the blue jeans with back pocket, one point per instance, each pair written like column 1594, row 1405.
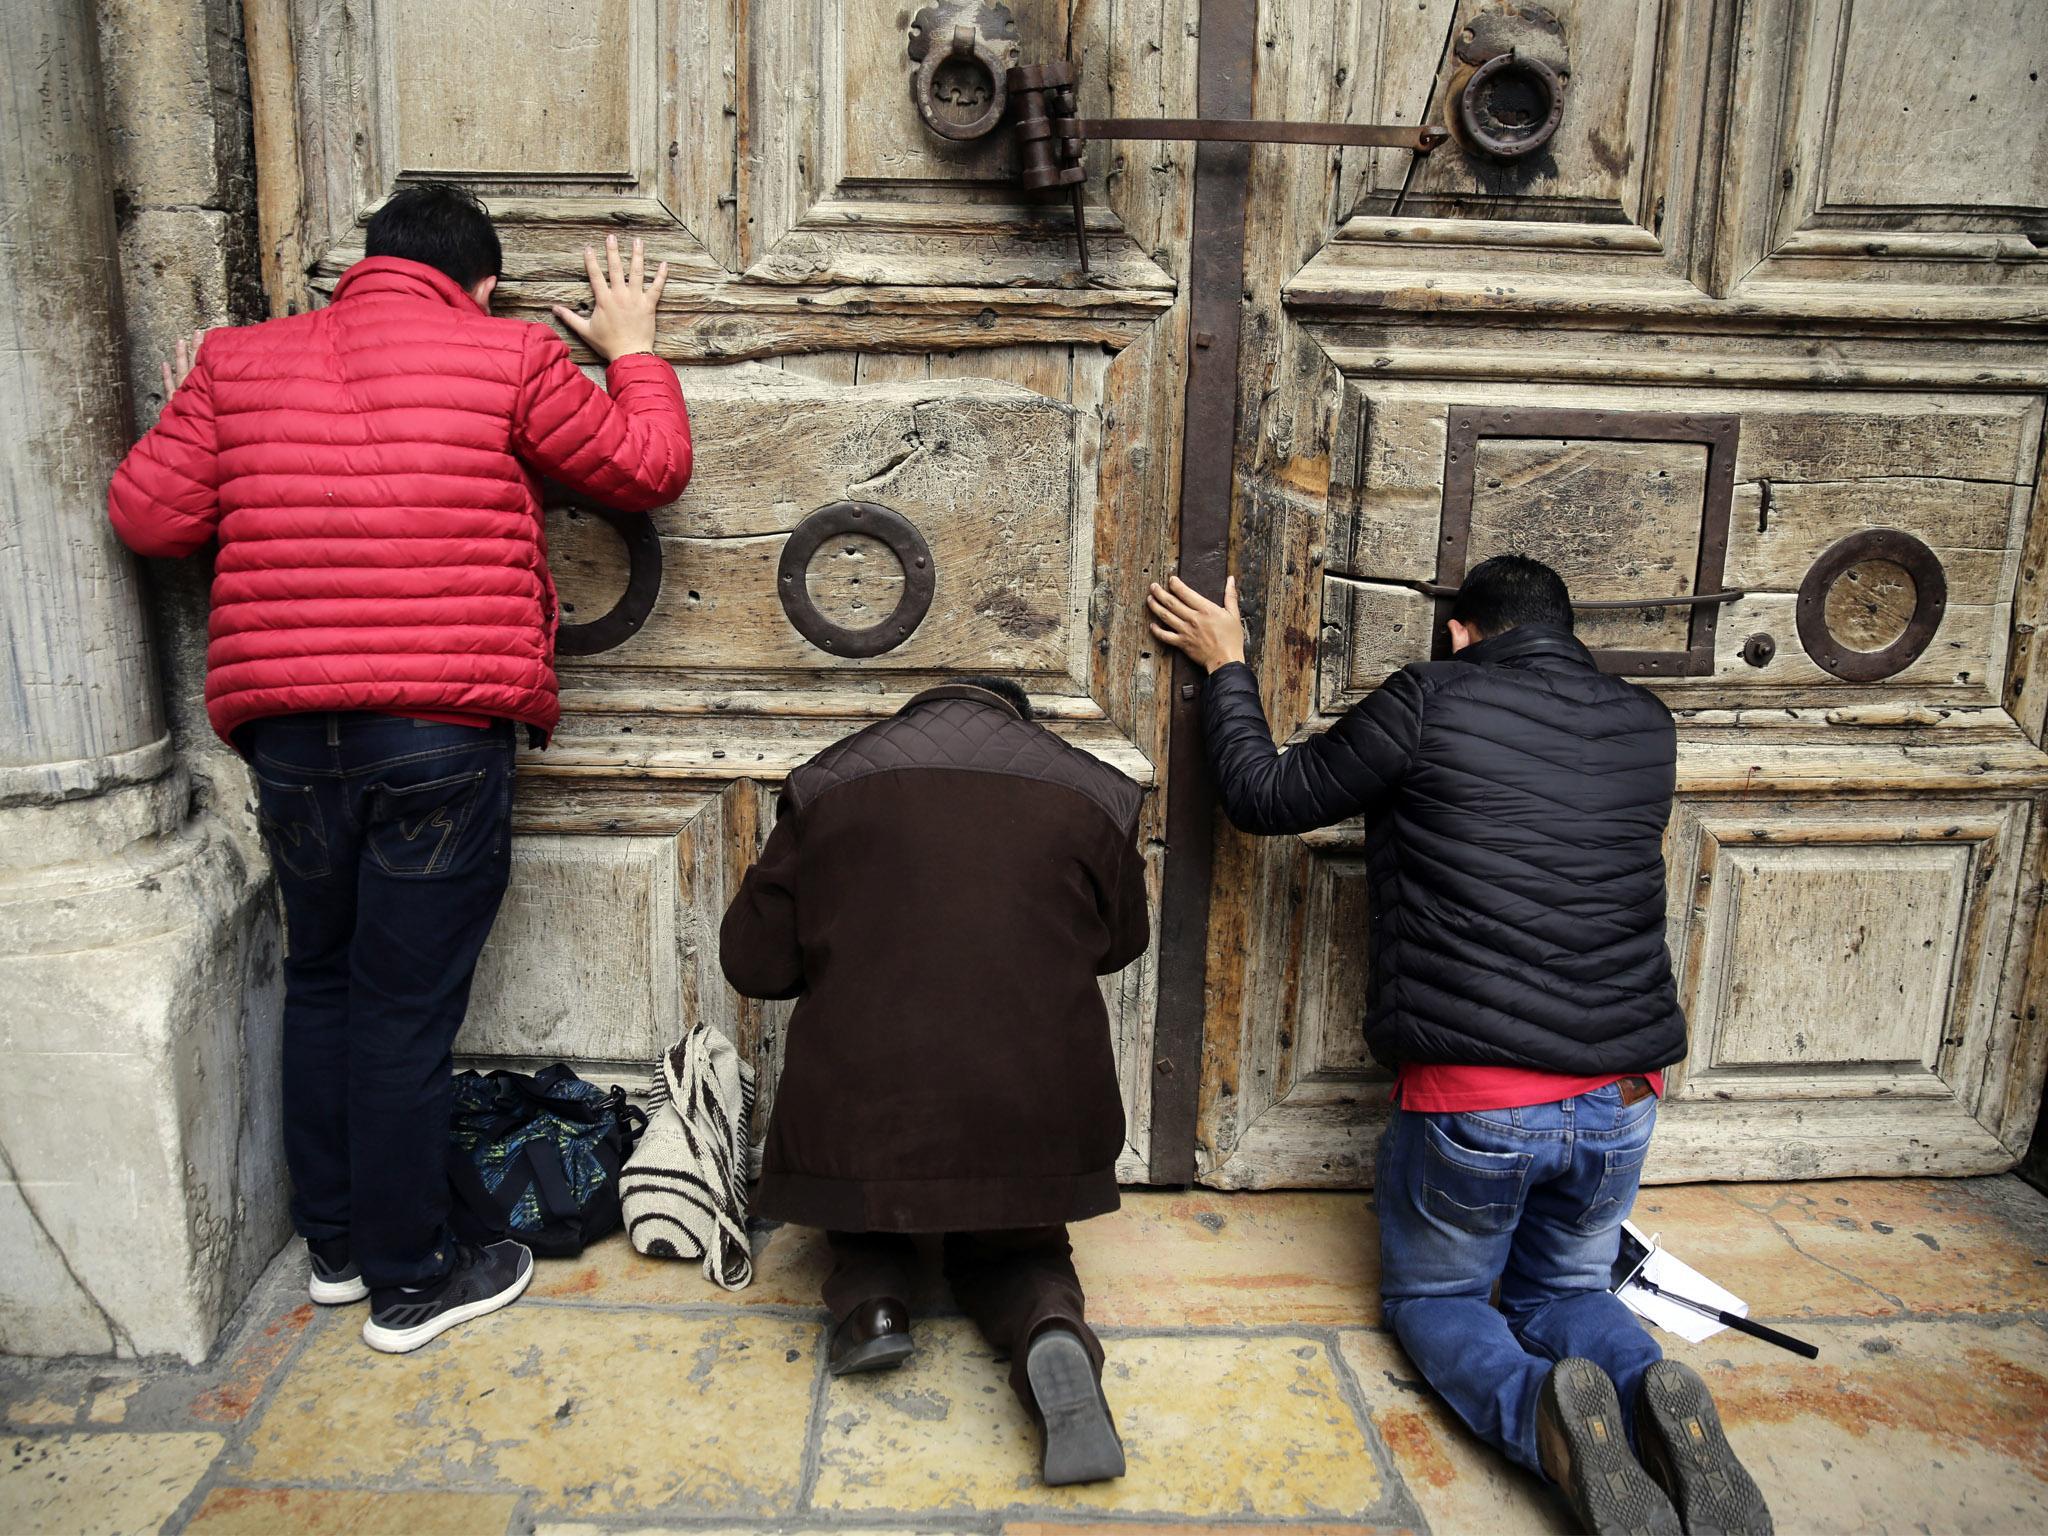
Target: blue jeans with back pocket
column 391, row 838
column 1532, row 1198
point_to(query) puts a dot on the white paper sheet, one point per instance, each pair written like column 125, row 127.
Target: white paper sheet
column 1676, row 1275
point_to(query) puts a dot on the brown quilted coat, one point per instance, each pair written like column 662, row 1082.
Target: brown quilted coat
column 941, row 892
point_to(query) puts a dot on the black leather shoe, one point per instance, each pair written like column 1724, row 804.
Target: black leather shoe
column 1685, row 1451
column 1583, row 1446
column 1081, row 1444
column 874, row 1336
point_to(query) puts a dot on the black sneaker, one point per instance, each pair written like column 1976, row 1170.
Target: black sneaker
column 1684, row 1449
column 336, row 1280
column 1583, row 1446
column 484, row 1279
column 1081, row 1444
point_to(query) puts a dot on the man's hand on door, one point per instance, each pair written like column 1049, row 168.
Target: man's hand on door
column 622, row 303
column 175, row 370
column 1211, row 634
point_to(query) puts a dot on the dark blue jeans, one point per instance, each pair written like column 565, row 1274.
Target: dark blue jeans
column 1533, row 1198
column 392, row 844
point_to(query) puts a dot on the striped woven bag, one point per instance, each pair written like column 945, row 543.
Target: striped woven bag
column 684, row 1191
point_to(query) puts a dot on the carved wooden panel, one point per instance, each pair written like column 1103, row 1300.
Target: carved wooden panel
column 581, row 962
column 1835, row 956
column 990, row 474
column 1606, row 208
column 1890, row 136
column 550, row 93
column 1621, row 519
column 1605, row 154
column 779, row 142
column 1306, row 1101
column 1832, row 958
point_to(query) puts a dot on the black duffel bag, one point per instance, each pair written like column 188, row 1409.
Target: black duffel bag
column 538, row 1158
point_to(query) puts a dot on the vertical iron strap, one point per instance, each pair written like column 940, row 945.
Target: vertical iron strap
column 1208, row 447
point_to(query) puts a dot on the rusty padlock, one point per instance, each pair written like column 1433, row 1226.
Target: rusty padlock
column 1048, row 149
column 964, row 51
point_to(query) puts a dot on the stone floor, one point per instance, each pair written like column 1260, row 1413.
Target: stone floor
column 1250, row 1377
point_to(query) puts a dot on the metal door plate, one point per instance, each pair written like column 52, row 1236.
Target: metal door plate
column 1468, row 424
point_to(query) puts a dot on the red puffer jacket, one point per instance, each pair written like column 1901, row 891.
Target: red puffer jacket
column 370, row 469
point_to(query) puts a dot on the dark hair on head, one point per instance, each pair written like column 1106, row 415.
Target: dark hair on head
column 441, row 225
column 1005, row 687
column 1511, row 590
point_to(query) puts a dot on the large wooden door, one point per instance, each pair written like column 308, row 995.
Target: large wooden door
column 861, row 313
column 1777, row 280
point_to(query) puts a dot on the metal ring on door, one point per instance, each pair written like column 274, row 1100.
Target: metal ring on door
column 893, row 530
column 1930, row 602
column 643, row 579
column 964, row 51
column 1482, row 123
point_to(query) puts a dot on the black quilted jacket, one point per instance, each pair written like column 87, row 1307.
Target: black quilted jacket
column 940, row 892
column 1515, row 799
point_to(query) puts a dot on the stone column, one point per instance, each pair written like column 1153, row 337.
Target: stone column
column 81, row 710
column 140, row 1186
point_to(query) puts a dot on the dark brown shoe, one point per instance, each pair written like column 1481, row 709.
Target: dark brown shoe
column 1685, row 1451
column 874, row 1336
column 1081, row 1444
column 1583, row 1445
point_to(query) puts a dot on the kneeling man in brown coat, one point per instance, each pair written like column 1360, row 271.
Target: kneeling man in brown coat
column 941, row 891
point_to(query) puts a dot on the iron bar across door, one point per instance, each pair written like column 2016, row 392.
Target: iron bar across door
column 1208, row 446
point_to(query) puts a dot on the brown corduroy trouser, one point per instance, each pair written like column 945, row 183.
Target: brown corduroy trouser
column 1013, row 1284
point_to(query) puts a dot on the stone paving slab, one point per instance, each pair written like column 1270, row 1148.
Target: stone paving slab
column 100, row 1484
column 1214, row 1425
column 1864, row 1247
column 603, row 1412
column 233, row 1511
column 1253, row 1385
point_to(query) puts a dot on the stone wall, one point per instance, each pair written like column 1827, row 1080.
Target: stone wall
column 141, row 1180
column 175, row 85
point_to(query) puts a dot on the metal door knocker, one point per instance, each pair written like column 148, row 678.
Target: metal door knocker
column 643, row 577
column 890, row 528
column 969, row 79
column 1850, row 584
column 1507, row 93
column 964, row 50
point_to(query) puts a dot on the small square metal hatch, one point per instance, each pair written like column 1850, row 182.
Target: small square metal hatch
column 1468, row 426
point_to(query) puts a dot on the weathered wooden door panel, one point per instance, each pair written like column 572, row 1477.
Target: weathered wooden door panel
column 1836, row 956
column 1641, row 356
column 1625, row 516
column 1892, row 140
column 861, row 312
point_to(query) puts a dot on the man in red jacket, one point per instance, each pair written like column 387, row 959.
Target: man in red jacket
column 382, row 622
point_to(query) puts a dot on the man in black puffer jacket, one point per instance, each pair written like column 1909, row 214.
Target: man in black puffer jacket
column 1521, row 991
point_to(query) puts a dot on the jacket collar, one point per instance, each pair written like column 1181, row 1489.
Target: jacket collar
column 1529, row 645
column 962, row 691
column 391, row 275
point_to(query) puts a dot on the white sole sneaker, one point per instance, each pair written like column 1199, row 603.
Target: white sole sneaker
column 338, row 1293
column 401, row 1341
